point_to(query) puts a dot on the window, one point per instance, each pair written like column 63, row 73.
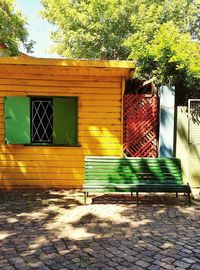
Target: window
column 42, row 120
column 39, row 120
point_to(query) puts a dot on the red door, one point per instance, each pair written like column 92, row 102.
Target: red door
column 140, row 134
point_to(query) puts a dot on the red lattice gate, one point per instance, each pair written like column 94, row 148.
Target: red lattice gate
column 140, row 135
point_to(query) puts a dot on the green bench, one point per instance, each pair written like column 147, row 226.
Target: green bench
column 117, row 174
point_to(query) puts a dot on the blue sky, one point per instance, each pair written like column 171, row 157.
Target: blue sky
column 38, row 28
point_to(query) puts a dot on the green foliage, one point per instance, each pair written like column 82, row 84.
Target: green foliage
column 167, row 55
column 158, row 34
column 13, row 30
column 163, row 41
column 90, row 28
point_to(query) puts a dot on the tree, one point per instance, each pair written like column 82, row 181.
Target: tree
column 13, row 30
column 172, row 58
column 90, row 28
column 167, row 54
column 165, row 42
column 161, row 35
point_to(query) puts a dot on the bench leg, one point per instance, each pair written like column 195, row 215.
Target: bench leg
column 176, row 194
column 137, row 198
column 131, row 194
column 189, row 198
column 85, row 196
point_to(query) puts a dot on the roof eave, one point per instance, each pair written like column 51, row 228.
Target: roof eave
column 67, row 62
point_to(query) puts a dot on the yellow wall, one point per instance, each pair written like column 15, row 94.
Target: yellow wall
column 99, row 129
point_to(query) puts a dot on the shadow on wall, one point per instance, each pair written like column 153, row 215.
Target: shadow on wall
column 194, row 140
column 186, row 148
column 165, row 119
column 166, row 128
column 43, row 166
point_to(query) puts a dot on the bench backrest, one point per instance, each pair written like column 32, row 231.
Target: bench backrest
column 109, row 170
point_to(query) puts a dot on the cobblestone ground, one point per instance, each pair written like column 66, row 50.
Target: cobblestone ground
column 54, row 230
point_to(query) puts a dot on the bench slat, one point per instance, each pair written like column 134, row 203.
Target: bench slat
column 116, row 174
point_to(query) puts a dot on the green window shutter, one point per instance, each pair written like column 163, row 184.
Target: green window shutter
column 17, row 120
column 65, row 120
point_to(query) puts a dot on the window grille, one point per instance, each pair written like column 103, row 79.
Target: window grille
column 42, row 120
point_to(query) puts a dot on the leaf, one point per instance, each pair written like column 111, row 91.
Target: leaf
column 13, row 30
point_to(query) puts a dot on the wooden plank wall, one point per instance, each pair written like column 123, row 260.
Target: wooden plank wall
column 99, row 129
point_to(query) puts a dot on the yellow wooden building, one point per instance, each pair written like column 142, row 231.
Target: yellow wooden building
column 53, row 113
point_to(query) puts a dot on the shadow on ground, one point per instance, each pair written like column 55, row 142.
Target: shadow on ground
column 53, row 230
column 150, row 199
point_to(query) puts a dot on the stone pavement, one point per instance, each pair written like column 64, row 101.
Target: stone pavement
column 54, row 230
